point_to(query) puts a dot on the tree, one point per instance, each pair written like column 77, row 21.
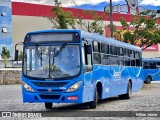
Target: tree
column 142, row 30
column 95, row 26
column 62, row 19
column 20, row 56
column 5, row 55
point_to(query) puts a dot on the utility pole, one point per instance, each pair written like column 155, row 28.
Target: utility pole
column 111, row 19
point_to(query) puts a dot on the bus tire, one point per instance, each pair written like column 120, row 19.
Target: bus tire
column 129, row 91
column 93, row 104
column 148, row 80
column 48, row 105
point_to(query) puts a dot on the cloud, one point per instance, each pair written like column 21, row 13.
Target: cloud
column 150, row 2
column 67, row 3
column 82, row 2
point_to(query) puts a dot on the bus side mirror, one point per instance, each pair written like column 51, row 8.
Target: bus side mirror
column 88, row 49
column 16, row 55
column 17, row 51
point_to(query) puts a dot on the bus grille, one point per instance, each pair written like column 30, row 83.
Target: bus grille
column 50, row 84
column 51, row 97
column 46, row 90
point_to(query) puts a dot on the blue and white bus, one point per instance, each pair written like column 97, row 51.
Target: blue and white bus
column 151, row 69
column 73, row 66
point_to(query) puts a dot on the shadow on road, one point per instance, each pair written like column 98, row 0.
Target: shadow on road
column 84, row 106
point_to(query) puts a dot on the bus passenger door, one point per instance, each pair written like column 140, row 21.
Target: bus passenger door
column 88, row 91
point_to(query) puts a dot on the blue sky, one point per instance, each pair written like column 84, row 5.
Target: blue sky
column 100, row 6
column 95, row 4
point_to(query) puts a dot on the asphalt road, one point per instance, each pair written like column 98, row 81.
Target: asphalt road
column 147, row 99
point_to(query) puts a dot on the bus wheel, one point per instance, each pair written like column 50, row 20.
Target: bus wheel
column 48, row 105
column 148, row 80
column 128, row 94
column 93, row 104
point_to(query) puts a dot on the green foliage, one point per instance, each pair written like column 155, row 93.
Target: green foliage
column 95, row 26
column 62, row 19
column 114, row 27
column 20, row 56
column 5, row 55
column 124, row 23
column 141, row 31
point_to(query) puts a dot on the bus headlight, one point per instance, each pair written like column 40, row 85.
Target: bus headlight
column 74, row 87
column 27, row 87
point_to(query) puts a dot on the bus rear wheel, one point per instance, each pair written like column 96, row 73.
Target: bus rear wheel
column 93, row 104
column 129, row 91
column 148, row 80
column 48, row 105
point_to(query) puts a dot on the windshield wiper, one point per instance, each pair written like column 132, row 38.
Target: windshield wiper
column 60, row 50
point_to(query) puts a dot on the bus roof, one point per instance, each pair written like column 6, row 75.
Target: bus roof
column 94, row 36
column 55, row 30
column 111, row 41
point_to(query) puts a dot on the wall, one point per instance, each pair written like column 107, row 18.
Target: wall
column 10, row 76
column 25, row 24
column 6, row 26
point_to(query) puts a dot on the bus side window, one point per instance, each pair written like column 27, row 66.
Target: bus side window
column 158, row 65
column 126, row 57
column 152, row 65
column 96, row 46
column 132, row 57
column 105, row 54
column 138, row 58
column 87, row 57
column 145, row 65
column 113, row 50
column 96, row 52
column 120, row 56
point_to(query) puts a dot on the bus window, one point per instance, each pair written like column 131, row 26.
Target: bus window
column 96, row 58
column 158, row 65
column 145, row 65
column 152, row 65
column 87, row 57
column 132, row 54
column 104, row 48
column 96, row 46
column 105, row 59
column 120, row 60
column 133, row 62
column 127, row 61
column 113, row 50
column 128, row 52
column 120, row 51
column 113, row 60
column 86, row 51
column 138, row 60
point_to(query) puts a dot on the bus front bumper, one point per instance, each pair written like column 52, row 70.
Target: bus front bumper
column 72, row 97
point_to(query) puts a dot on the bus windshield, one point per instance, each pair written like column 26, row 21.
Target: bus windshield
column 58, row 61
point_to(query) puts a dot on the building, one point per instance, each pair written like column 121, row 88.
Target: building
column 6, row 26
column 28, row 17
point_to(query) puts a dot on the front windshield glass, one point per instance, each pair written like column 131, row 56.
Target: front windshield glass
column 52, row 61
